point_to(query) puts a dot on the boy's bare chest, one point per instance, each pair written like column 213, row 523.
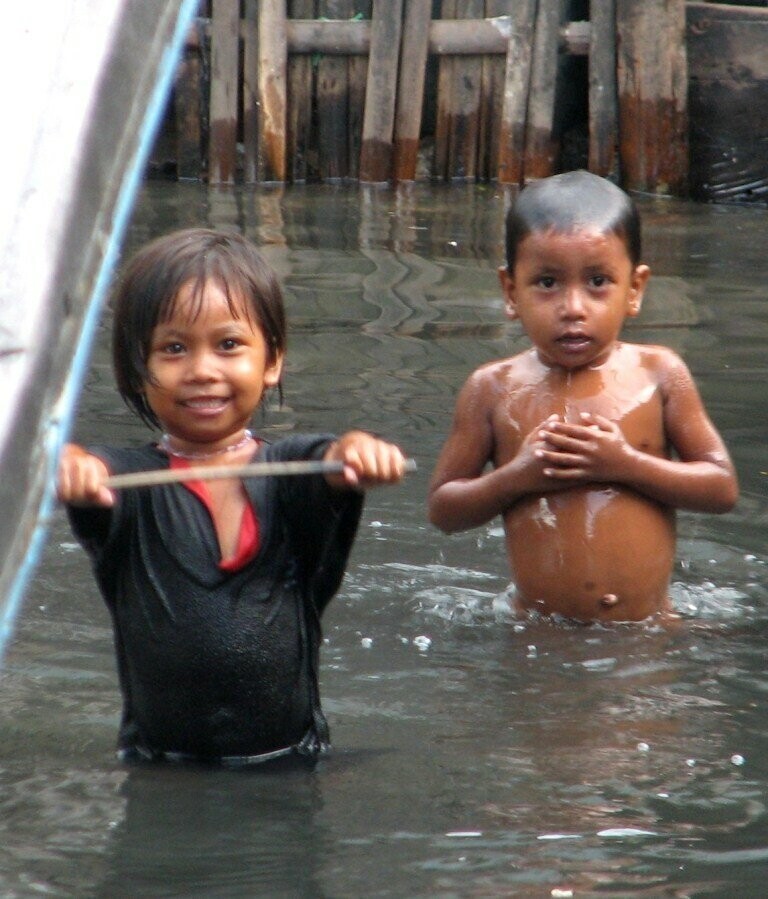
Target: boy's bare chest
column 630, row 398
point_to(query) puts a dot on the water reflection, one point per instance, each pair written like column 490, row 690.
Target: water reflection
column 474, row 755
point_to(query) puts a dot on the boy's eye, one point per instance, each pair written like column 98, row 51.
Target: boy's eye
column 598, row 280
column 546, row 281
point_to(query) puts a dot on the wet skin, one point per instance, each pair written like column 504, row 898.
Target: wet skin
column 594, row 442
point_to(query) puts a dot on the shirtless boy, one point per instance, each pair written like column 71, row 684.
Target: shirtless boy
column 593, row 443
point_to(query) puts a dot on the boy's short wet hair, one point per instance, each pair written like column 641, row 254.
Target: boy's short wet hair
column 149, row 288
column 572, row 201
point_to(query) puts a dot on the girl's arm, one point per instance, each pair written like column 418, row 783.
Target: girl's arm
column 702, row 477
column 81, row 478
column 462, row 494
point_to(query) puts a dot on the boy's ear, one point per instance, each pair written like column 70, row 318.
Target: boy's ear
column 640, row 276
column 508, row 292
column 274, row 370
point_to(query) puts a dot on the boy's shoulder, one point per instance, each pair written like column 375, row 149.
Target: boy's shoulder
column 500, row 372
column 649, row 356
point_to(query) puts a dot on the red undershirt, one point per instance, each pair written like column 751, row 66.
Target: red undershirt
column 248, row 539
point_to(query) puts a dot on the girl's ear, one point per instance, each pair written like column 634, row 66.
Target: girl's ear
column 640, row 276
column 508, row 292
column 274, row 370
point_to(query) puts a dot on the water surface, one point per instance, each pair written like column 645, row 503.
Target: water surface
column 473, row 756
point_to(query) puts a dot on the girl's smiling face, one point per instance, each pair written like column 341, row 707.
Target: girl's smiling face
column 572, row 292
column 209, row 366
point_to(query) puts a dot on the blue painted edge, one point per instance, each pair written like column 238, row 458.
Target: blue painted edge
column 60, row 424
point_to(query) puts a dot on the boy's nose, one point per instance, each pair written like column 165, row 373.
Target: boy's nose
column 573, row 304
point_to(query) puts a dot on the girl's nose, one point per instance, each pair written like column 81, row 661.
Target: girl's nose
column 201, row 366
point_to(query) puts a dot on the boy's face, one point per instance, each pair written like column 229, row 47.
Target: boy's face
column 572, row 292
column 209, row 371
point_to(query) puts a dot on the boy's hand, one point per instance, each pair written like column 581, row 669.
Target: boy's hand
column 368, row 461
column 595, row 450
column 81, row 479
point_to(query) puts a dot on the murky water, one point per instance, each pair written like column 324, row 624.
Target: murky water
column 473, row 757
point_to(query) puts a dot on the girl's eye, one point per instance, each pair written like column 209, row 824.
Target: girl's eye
column 230, row 343
column 173, row 349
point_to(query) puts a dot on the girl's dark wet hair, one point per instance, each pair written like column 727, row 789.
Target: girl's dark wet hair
column 570, row 202
column 149, row 289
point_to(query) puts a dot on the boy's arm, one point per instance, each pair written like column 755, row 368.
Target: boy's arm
column 81, row 478
column 702, row 478
column 462, row 494
column 368, row 461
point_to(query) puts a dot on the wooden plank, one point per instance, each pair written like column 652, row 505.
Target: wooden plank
column 410, row 101
column 187, row 105
column 250, row 33
column 273, row 57
column 728, row 102
column 222, row 147
column 603, row 96
column 540, row 144
column 332, row 101
column 378, row 124
column 358, row 81
column 299, row 88
column 465, row 114
column 492, row 91
column 653, row 87
column 517, row 75
column 445, row 86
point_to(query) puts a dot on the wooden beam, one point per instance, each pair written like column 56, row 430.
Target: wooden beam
column 187, row 93
column 410, row 95
column 540, row 146
column 250, row 92
column 516, row 87
column 378, row 125
column 603, row 96
column 273, row 56
column 222, row 148
column 653, row 90
column 299, row 92
column 332, row 95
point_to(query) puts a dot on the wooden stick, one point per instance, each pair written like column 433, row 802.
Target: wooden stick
column 213, row 472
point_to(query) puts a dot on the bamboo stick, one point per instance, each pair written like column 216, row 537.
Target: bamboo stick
column 163, row 476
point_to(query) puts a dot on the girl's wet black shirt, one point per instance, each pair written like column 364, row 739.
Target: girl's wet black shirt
column 215, row 663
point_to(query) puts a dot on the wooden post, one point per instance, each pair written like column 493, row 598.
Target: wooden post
column 357, row 65
column 603, row 97
column 445, row 83
column 410, row 96
column 299, row 102
column 491, row 98
column 250, row 92
column 516, row 85
column 187, row 109
column 653, row 87
column 273, row 57
column 378, row 124
column 540, row 147
column 225, row 35
column 332, row 100
column 465, row 114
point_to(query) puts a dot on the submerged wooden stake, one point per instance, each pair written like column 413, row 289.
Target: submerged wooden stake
column 217, row 472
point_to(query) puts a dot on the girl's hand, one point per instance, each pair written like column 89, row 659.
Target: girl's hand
column 594, row 450
column 368, row 461
column 81, row 479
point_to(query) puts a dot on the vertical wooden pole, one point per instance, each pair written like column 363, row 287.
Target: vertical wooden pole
column 378, row 124
column 540, row 147
column 273, row 57
column 465, row 115
column 299, row 102
column 445, row 84
column 491, row 98
column 358, row 78
column 332, row 101
column 653, row 89
column 222, row 152
column 410, row 95
column 516, row 87
column 603, row 96
column 187, row 94
column 250, row 91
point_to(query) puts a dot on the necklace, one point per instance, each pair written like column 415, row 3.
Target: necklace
column 164, row 443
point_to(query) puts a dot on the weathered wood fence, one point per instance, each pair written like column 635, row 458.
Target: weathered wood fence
column 297, row 90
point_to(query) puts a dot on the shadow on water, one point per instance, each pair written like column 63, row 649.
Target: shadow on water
column 474, row 755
